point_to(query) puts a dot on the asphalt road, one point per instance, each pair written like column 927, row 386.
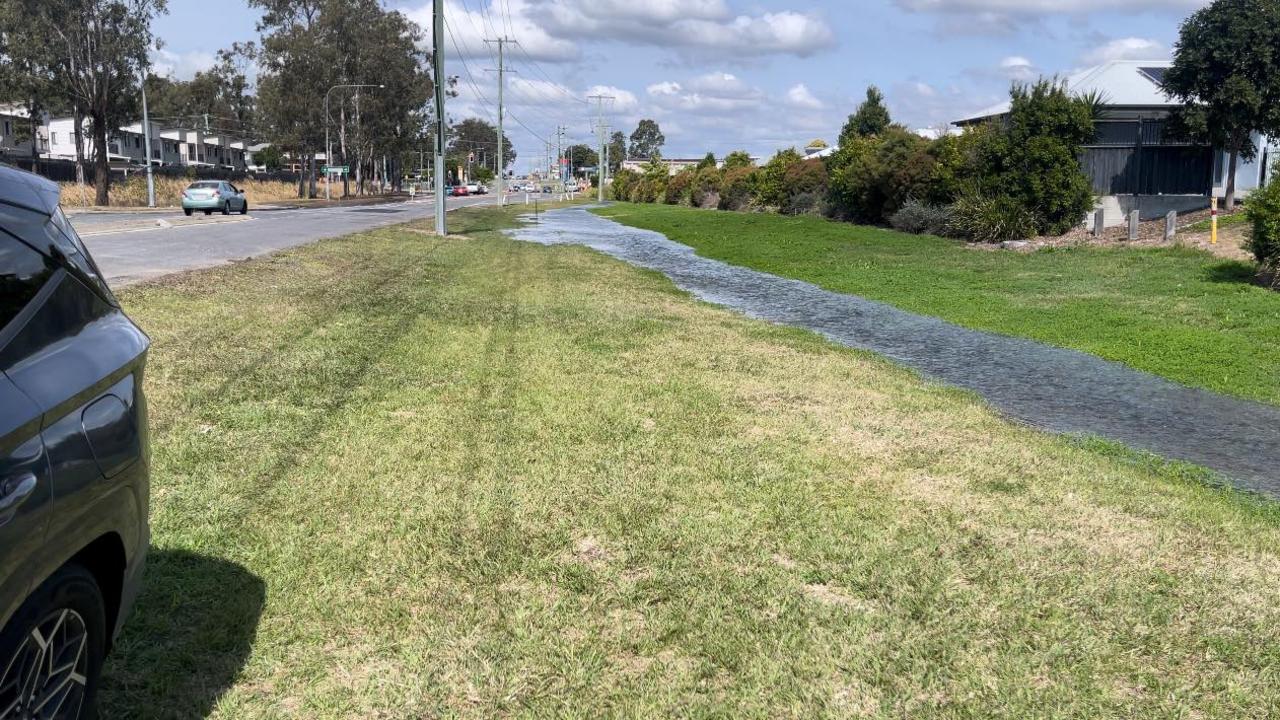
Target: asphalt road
column 128, row 253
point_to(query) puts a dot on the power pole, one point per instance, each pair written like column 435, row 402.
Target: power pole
column 437, row 61
column 502, row 150
column 146, row 140
column 560, row 154
column 600, row 159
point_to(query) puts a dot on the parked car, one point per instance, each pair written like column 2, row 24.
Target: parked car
column 210, row 195
column 473, row 188
column 481, row 189
column 460, row 191
column 74, row 483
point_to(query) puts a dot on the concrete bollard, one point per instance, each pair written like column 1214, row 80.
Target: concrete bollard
column 1099, row 223
column 1133, row 225
column 1170, row 225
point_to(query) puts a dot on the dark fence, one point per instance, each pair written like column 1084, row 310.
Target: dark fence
column 65, row 171
column 1135, row 157
column 55, row 170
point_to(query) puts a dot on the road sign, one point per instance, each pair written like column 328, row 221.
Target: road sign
column 336, row 169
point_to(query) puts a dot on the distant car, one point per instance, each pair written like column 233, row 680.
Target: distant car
column 460, row 191
column 473, row 188
column 481, row 189
column 74, row 478
column 210, row 195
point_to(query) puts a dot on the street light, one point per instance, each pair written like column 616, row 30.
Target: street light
column 328, row 150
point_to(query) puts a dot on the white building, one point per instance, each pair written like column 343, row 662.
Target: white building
column 15, row 130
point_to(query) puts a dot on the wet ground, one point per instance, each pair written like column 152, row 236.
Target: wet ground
column 1055, row 389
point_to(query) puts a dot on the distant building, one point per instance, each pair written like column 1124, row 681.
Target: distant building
column 1132, row 156
column 15, row 133
column 674, row 165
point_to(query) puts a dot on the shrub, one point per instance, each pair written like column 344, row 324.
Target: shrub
column 1263, row 210
column 771, row 180
column 738, row 159
column 678, row 187
column 873, row 176
column 705, row 191
column 1032, row 157
column 736, row 188
column 623, row 184
column 647, row 190
column 921, row 219
column 991, row 218
column 806, row 183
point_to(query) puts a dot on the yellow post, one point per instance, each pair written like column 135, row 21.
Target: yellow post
column 1213, row 223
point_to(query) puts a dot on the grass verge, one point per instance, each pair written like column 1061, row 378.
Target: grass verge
column 1175, row 312
column 403, row 476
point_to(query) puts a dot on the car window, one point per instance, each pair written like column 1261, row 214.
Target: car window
column 204, row 185
column 23, row 272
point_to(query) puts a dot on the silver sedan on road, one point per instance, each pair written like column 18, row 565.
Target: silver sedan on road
column 210, row 195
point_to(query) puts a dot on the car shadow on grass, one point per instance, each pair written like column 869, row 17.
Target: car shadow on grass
column 190, row 634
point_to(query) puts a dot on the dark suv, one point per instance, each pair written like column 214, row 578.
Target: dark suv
column 73, row 459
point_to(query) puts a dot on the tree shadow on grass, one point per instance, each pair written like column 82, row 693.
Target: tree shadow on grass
column 1232, row 271
column 190, row 633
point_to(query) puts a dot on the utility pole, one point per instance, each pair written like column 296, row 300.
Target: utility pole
column 146, row 140
column 437, row 61
column 502, row 150
column 600, row 158
column 560, row 154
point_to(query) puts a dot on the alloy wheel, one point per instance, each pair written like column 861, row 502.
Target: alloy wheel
column 46, row 677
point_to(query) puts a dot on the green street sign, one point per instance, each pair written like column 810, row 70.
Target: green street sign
column 339, row 169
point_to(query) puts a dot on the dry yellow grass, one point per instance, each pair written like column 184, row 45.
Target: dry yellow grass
column 133, row 192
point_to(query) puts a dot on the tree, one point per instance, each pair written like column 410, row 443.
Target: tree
column 871, row 118
column 310, row 46
column 269, row 157
column 707, row 162
column 1226, row 72
column 738, row 159
column 476, row 138
column 647, row 140
column 581, row 156
column 92, row 53
column 617, row 151
column 771, row 183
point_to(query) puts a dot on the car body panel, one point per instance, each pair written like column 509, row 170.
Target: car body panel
column 71, row 362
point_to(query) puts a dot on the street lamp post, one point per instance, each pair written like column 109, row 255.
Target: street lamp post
column 328, row 149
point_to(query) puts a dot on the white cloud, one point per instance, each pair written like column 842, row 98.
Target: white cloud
column 467, row 29
column 181, row 66
column 1006, row 16
column 799, row 96
column 624, row 101
column 1016, row 67
column 715, row 92
column 1130, row 48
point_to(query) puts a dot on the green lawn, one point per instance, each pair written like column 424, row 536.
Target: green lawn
column 1174, row 312
column 397, row 476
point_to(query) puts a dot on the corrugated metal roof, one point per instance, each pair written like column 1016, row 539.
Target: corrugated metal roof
column 1125, row 83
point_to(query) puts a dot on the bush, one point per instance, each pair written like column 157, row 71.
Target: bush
column 705, row 191
column 1263, row 210
column 737, row 188
column 678, row 188
column 872, row 177
column 771, row 180
column 992, row 219
column 920, row 219
column 647, row 190
column 806, row 187
column 623, row 184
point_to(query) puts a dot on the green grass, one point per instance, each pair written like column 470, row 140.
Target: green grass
column 1176, row 312
column 397, row 476
column 1224, row 221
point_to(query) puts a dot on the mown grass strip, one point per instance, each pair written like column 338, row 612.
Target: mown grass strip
column 400, row 476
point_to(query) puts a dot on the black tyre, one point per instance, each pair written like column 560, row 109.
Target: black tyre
column 208, row 212
column 51, row 651
column 186, row 211
column 244, row 207
column 226, row 207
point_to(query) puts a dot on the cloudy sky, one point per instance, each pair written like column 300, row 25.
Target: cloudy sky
column 755, row 74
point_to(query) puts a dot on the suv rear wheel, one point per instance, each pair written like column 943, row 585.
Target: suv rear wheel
column 51, row 651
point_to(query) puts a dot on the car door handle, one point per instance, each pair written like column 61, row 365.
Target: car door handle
column 15, row 491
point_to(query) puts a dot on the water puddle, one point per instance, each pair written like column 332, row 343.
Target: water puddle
column 1058, row 390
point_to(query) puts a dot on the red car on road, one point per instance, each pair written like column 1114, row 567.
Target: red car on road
column 460, row 190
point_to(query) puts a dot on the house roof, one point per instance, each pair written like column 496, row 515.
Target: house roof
column 1122, row 83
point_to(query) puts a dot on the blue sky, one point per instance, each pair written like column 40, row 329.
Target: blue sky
column 754, row 74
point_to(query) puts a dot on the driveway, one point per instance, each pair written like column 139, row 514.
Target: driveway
column 1052, row 388
column 133, row 246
